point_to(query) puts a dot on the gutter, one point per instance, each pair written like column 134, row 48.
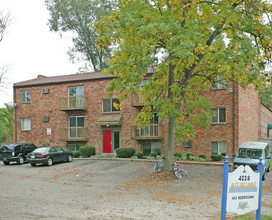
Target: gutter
column 233, row 117
column 15, row 114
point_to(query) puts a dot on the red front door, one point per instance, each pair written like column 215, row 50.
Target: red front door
column 107, row 148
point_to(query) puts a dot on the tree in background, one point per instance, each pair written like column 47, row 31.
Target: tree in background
column 78, row 17
column 6, row 124
column 192, row 43
column 265, row 94
column 4, row 23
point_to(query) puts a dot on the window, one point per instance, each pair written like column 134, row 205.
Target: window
column 17, row 148
column 52, row 150
column 45, row 90
column 155, row 119
column 76, row 125
column 73, row 147
column 76, row 94
column 26, row 124
column 149, row 147
column 25, row 96
column 108, row 105
column 219, row 147
column 187, row 144
column 58, row 149
column 76, row 91
column 220, row 116
column 220, row 83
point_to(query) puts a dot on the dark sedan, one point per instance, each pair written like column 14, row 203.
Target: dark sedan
column 48, row 156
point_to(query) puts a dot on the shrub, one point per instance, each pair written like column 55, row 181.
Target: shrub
column 153, row 155
column 139, row 155
column 125, row 152
column 87, row 151
column 177, row 154
column 188, row 155
column 199, row 159
column 217, row 157
column 202, row 156
column 76, row 153
column 193, row 158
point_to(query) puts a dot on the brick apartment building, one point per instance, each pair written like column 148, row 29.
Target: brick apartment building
column 74, row 110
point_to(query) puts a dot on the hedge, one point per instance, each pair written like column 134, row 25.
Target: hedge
column 217, row 157
column 87, row 151
column 125, row 152
column 76, row 153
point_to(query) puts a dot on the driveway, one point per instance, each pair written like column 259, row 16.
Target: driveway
column 101, row 189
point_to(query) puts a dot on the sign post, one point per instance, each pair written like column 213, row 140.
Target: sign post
column 260, row 170
column 224, row 191
column 241, row 190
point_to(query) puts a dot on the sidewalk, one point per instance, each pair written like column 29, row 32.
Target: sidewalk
column 99, row 157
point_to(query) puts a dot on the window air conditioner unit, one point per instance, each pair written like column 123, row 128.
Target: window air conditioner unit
column 45, row 90
column 45, row 119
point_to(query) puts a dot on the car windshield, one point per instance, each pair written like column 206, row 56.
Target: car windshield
column 42, row 150
column 249, row 153
column 7, row 147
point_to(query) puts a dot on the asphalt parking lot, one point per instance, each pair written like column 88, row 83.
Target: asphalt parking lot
column 101, row 189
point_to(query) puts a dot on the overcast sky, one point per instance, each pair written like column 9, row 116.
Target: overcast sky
column 29, row 48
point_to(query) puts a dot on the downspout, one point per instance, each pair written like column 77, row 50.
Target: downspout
column 15, row 115
column 233, row 117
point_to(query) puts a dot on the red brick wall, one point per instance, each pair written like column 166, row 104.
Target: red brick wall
column 248, row 115
column 246, row 102
column 48, row 105
column 266, row 118
column 201, row 144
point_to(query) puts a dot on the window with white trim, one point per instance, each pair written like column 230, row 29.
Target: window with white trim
column 149, row 147
column 220, row 83
column 25, row 124
column 187, row 144
column 108, row 105
column 25, row 96
column 73, row 147
column 76, row 126
column 219, row 147
column 76, row 91
column 220, row 115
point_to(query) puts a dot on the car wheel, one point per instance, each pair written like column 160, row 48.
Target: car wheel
column 49, row 162
column 21, row 160
column 33, row 164
column 70, row 158
column 6, row 163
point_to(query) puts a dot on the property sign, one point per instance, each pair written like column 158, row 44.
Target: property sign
column 243, row 190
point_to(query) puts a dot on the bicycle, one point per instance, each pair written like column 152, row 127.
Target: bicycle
column 178, row 171
column 159, row 165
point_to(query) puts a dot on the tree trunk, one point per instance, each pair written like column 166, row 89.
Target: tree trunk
column 169, row 157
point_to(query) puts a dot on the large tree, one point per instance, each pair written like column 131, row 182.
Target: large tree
column 6, row 124
column 192, row 43
column 4, row 23
column 78, row 17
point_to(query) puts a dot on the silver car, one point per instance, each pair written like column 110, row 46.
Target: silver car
column 249, row 154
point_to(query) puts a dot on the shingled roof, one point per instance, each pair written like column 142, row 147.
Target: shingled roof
column 44, row 80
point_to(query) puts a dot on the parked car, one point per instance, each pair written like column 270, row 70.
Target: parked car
column 49, row 155
column 249, row 154
column 15, row 152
